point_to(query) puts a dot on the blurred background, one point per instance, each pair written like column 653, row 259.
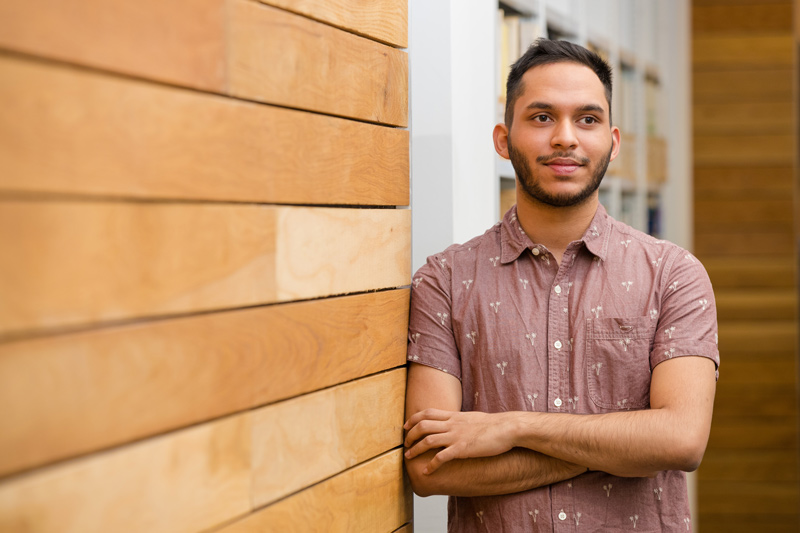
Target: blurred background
column 210, row 211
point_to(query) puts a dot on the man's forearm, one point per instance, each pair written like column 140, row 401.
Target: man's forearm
column 514, row 471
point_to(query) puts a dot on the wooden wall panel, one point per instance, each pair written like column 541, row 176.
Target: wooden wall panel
column 180, row 41
column 744, row 183
column 163, row 375
column 124, row 260
column 718, row 150
column 289, row 60
column 198, row 146
column 756, row 17
column 742, row 85
column 375, row 494
column 384, row 20
column 737, row 52
column 306, row 440
column 187, row 481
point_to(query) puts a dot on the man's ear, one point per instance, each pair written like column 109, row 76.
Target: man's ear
column 500, row 135
column 615, row 140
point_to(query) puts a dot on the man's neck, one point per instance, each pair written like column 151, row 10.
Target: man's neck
column 554, row 227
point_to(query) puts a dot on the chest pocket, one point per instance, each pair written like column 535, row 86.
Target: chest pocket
column 618, row 362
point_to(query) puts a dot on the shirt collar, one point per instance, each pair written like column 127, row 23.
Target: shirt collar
column 514, row 240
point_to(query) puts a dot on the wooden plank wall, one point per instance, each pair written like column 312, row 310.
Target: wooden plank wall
column 204, row 265
column 745, row 147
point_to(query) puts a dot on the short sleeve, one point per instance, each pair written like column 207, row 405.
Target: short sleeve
column 687, row 321
column 430, row 329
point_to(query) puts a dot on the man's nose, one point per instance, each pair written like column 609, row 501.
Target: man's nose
column 564, row 136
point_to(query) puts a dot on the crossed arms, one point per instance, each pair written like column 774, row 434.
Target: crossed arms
column 480, row 454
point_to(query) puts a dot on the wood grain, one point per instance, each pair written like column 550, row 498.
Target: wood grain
column 187, row 481
column 748, row 498
column 384, row 20
column 754, row 399
column 742, row 182
column 751, row 272
column 719, row 150
column 163, row 375
column 375, row 495
column 108, row 136
column 725, row 523
column 757, row 336
column 711, row 212
column 748, row 432
column 729, row 243
column 726, row 119
column 756, row 305
column 742, row 86
column 303, row 441
column 68, row 264
column 744, row 51
column 180, row 42
column 281, row 58
column 749, row 465
column 758, row 17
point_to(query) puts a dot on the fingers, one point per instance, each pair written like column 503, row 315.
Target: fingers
column 428, row 443
column 427, row 414
column 439, row 459
column 421, row 430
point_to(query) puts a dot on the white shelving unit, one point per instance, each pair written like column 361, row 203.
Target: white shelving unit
column 456, row 175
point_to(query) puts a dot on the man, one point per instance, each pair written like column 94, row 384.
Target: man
column 562, row 365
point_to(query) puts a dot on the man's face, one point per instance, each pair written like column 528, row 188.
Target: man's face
column 561, row 142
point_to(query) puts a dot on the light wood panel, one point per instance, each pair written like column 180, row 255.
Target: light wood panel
column 753, row 465
column 371, row 497
column 286, row 59
column 187, row 481
column 180, row 41
column 742, row 182
column 747, row 432
column 75, row 263
column 722, row 523
column 96, row 130
column 751, row 272
column 739, row 86
column 303, row 441
column 408, row 528
column 758, row 337
column 742, row 51
column 726, row 119
column 756, row 304
column 718, row 150
column 711, row 212
column 745, row 498
column 727, row 243
column 163, row 375
column 384, row 20
column 760, row 17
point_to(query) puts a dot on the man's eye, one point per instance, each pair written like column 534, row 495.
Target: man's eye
column 541, row 118
column 589, row 120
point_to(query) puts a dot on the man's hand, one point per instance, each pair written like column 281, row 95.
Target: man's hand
column 459, row 435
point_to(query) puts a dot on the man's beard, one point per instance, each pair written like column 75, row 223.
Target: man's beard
column 534, row 190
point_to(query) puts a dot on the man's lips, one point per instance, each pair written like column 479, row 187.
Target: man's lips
column 563, row 166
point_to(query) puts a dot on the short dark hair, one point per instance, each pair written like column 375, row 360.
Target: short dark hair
column 545, row 52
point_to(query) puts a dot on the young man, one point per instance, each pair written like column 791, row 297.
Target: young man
column 562, row 365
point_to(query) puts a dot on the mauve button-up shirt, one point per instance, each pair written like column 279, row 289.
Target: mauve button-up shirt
column 523, row 332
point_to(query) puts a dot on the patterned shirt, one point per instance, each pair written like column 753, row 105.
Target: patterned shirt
column 522, row 332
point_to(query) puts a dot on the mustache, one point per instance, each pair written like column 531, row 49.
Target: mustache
column 544, row 159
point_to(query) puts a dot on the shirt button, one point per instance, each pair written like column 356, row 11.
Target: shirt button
column 557, row 344
column 558, row 289
column 562, row 515
column 557, row 403
column 535, row 251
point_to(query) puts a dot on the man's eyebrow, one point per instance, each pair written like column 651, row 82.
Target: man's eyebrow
column 587, row 108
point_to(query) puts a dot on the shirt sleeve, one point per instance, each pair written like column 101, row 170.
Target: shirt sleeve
column 430, row 328
column 687, row 322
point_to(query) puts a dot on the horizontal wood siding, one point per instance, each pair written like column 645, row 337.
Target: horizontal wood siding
column 205, row 265
column 744, row 188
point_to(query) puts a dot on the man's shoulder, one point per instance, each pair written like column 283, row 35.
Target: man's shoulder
column 489, row 241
